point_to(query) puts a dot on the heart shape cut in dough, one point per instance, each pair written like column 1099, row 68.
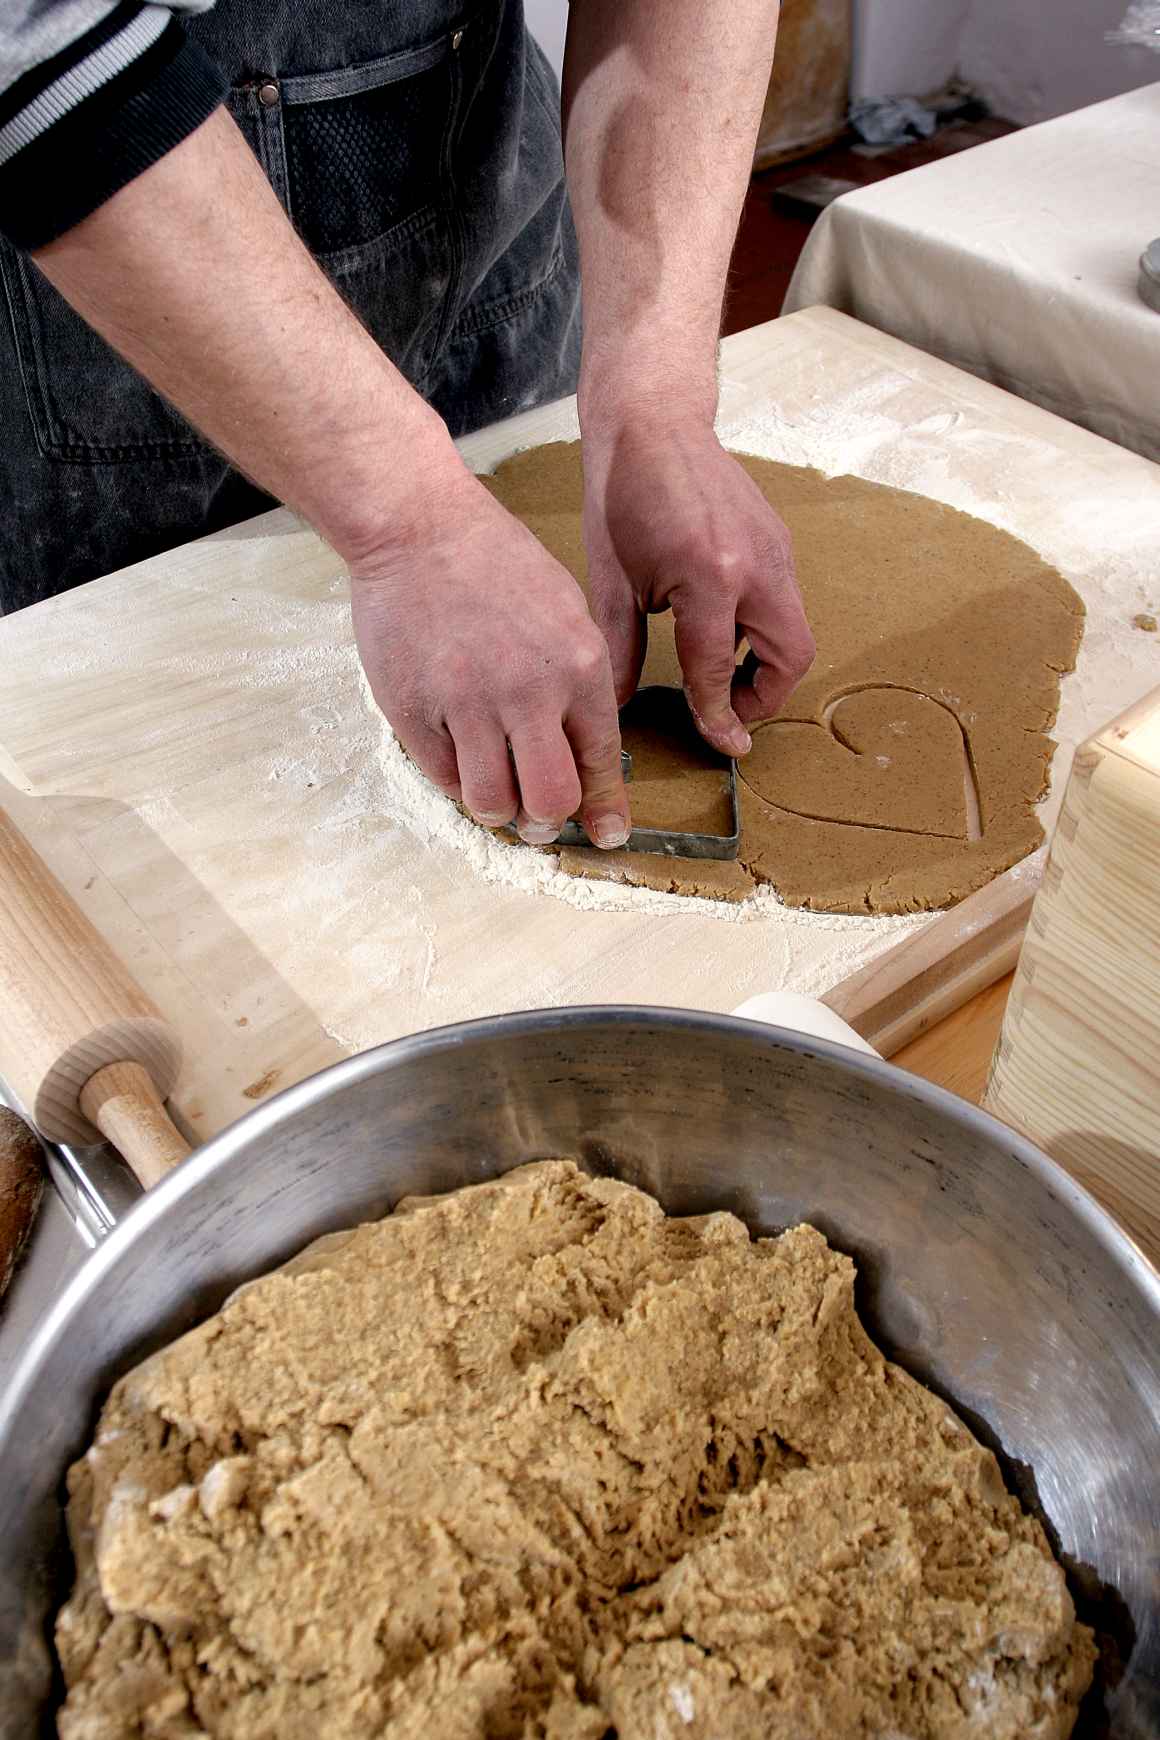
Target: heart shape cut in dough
column 881, row 758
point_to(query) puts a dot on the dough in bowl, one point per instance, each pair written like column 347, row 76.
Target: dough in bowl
column 535, row 1462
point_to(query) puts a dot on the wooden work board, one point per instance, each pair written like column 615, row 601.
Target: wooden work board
column 187, row 745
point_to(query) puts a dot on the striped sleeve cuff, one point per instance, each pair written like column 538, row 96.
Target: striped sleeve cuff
column 79, row 126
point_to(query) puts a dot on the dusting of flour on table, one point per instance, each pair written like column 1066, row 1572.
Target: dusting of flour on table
column 866, row 430
column 441, row 824
column 392, row 912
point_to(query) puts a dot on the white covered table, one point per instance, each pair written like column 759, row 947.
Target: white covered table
column 1017, row 261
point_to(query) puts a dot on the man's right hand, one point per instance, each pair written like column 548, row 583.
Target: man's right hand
column 473, row 638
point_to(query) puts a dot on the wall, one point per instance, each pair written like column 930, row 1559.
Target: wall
column 548, row 22
column 905, row 47
column 1031, row 59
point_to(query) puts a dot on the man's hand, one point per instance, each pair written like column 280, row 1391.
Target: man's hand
column 474, row 638
column 672, row 521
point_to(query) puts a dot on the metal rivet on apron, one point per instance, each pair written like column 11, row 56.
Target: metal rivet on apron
column 268, row 94
column 457, row 39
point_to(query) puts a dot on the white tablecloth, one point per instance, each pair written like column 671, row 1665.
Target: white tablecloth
column 1018, row 261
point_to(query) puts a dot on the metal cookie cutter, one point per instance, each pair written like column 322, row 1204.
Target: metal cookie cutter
column 664, row 842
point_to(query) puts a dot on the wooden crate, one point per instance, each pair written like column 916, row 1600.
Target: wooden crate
column 1077, row 1066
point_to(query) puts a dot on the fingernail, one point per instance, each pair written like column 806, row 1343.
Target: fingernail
column 740, row 742
column 610, row 831
column 493, row 821
column 538, row 833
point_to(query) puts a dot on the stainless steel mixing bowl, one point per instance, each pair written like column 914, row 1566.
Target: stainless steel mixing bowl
column 984, row 1269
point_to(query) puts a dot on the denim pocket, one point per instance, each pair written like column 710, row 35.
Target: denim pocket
column 86, row 405
column 366, row 148
column 367, row 154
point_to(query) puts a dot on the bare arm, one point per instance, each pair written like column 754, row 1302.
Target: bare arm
column 473, row 638
column 661, row 106
column 193, row 273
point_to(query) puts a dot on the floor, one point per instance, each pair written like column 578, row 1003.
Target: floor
column 774, row 225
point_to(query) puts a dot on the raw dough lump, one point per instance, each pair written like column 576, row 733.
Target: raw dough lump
column 533, row 1460
column 941, row 640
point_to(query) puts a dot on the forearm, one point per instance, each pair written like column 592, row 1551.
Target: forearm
column 661, row 109
column 193, row 272
column 478, row 646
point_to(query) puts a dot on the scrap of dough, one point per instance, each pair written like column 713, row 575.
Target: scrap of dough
column 534, row 1462
column 901, row 592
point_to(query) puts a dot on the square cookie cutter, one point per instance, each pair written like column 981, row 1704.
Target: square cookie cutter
column 668, row 842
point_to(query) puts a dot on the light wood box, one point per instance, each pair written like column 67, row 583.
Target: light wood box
column 1077, row 1066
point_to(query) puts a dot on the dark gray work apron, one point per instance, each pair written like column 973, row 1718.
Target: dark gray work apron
column 416, row 146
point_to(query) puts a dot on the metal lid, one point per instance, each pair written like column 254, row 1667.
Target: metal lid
column 1149, row 284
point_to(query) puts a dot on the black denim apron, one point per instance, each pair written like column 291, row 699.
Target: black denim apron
column 415, row 145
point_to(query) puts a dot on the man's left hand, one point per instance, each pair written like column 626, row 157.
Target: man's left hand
column 671, row 520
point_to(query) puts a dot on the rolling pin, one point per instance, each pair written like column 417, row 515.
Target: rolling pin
column 84, row 1049
column 929, row 975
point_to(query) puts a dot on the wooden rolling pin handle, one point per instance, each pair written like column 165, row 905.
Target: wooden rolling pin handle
column 68, row 1005
column 932, row 973
column 123, row 1103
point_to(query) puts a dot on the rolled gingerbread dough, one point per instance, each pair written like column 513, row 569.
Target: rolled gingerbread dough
column 905, row 770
